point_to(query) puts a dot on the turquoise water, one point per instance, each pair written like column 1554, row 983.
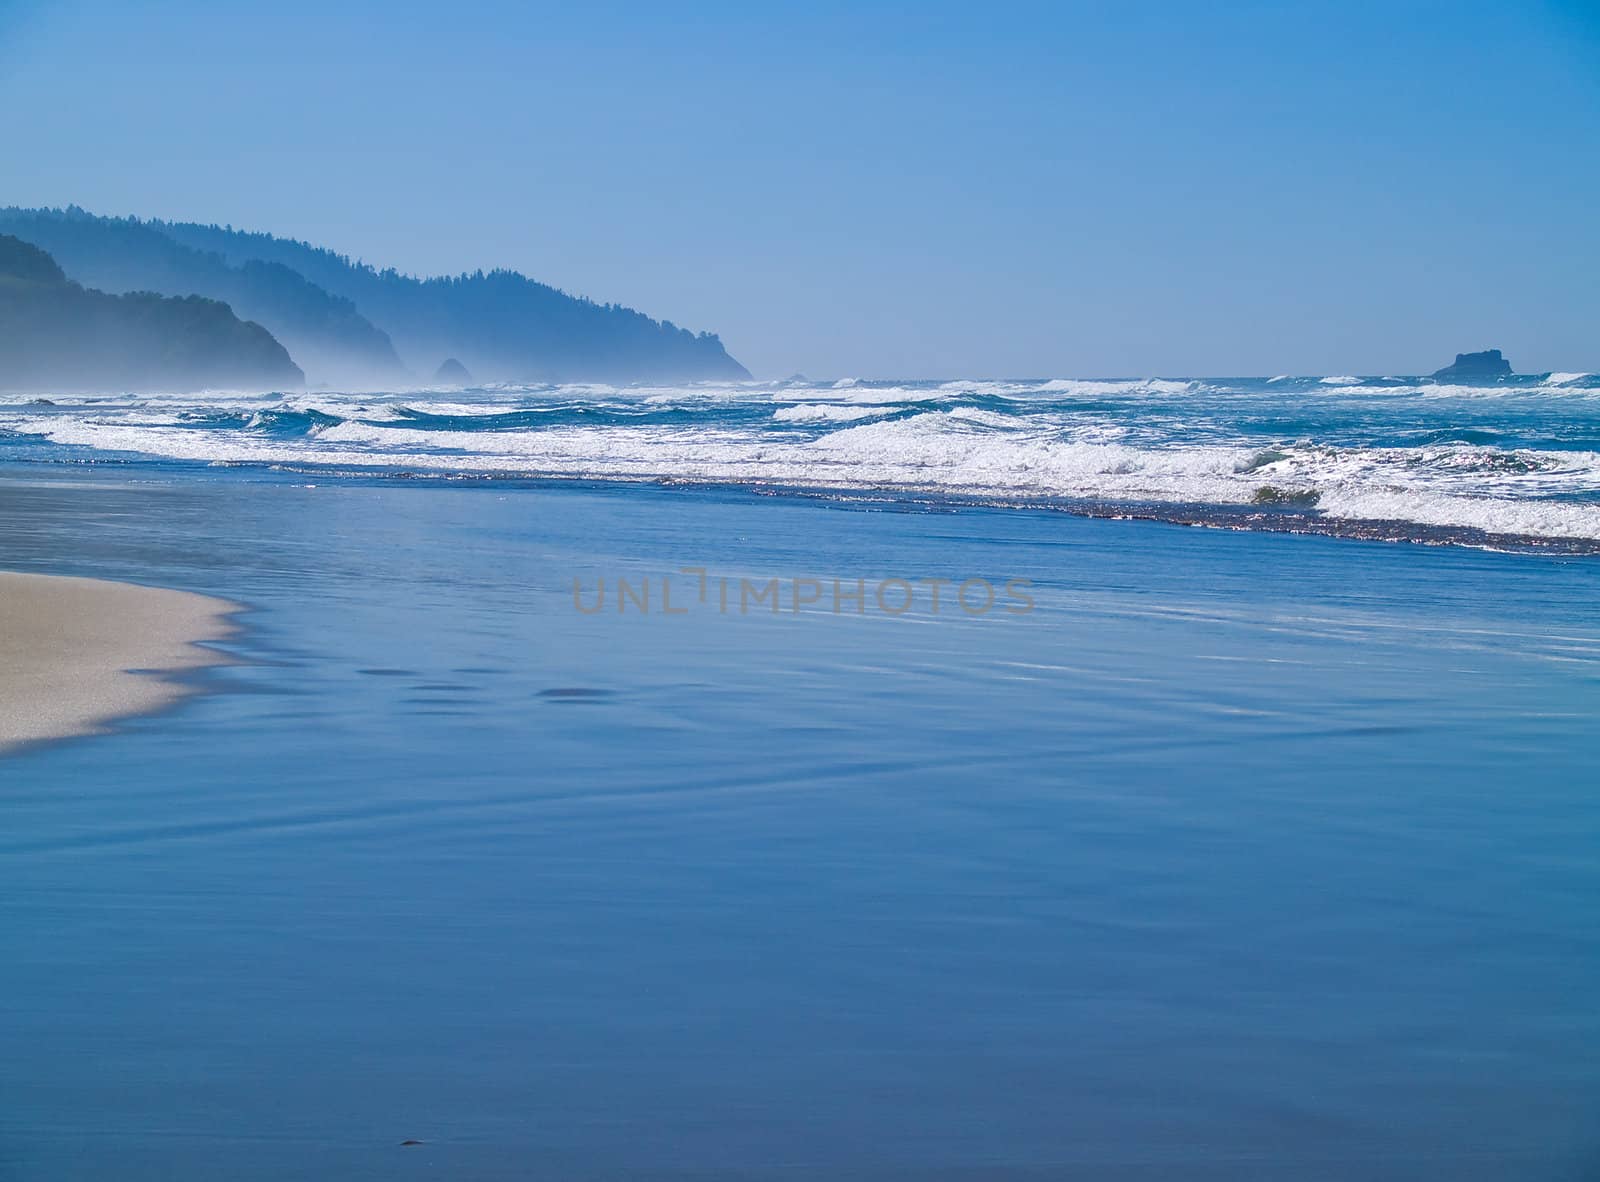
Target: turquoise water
column 1241, row 855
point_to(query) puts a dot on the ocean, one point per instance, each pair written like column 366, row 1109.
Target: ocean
column 1511, row 462
column 597, row 790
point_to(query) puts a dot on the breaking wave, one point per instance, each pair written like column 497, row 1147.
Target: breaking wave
column 1517, row 460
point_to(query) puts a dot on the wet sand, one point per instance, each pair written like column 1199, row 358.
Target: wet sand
column 77, row 654
column 1243, row 855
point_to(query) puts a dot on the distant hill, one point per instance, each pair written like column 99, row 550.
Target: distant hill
column 501, row 325
column 58, row 336
column 324, row 333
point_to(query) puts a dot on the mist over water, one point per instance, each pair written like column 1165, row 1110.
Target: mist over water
column 1512, row 463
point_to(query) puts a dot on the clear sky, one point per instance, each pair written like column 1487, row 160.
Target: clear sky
column 882, row 189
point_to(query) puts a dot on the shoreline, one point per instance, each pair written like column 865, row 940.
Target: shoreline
column 80, row 654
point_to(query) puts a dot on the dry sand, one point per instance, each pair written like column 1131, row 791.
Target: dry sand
column 67, row 647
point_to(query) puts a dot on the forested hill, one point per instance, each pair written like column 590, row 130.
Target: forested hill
column 501, row 324
column 324, row 333
column 58, row 336
column 350, row 324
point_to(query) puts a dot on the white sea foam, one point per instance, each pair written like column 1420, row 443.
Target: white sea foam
column 1173, row 442
column 986, row 418
column 879, row 395
column 462, row 410
column 1495, row 515
column 812, row 412
column 1100, row 387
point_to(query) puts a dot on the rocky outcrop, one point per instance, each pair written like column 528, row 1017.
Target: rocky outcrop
column 452, row 373
column 1488, row 364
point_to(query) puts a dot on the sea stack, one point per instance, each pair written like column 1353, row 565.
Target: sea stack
column 452, row 373
column 1488, row 364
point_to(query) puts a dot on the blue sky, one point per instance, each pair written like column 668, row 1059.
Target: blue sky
column 874, row 189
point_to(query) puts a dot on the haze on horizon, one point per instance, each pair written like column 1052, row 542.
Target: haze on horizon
column 885, row 189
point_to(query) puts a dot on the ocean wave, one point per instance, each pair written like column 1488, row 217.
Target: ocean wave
column 1520, row 462
column 1495, row 516
column 1098, row 387
column 812, row 412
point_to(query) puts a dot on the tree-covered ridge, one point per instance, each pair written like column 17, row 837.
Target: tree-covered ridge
column 323, row 332
column 23, row 262
column 500, row 324
column 58, row 336
column 344, row 320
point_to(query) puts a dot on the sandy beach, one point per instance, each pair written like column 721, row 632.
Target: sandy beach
column 69, row 649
